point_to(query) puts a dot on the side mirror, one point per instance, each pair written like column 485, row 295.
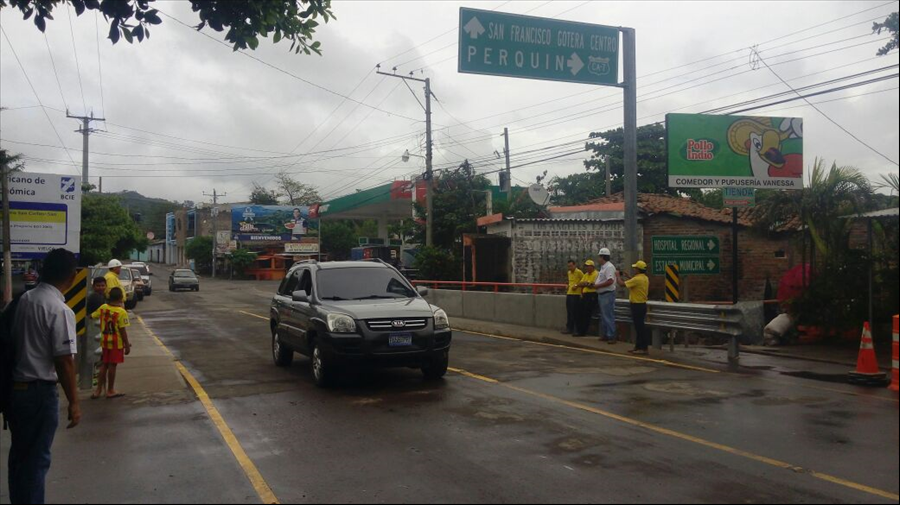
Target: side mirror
column 300, row 296
column 422, row 290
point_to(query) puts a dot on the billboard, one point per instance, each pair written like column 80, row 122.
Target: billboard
column 45, row 214
column 707, row 151
column 269, row 223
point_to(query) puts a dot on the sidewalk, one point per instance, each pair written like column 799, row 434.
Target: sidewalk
column 811, row 362
column 155, row 445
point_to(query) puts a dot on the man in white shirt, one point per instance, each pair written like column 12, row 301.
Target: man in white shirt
column 44, row 334
column 606, row 291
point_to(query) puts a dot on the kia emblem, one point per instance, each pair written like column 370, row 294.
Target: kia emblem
column 398, row 324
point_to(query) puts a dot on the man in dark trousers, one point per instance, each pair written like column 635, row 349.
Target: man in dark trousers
column 44, row 333
column 573, row 298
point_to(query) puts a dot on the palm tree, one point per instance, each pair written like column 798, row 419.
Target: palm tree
column 831, row 193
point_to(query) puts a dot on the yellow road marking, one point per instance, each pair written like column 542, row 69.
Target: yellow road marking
column 683, row 436
column 256, row 479
column 253, row 315
column 602, row 353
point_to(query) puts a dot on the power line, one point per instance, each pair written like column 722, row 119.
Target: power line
column 75, row 50
column 53, row 64
column 38, row 98
column 826, row 116
column 285, row 72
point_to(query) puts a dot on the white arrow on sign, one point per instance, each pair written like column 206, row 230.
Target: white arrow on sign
column 575, row 64
column 711, row 265
column 711, row 245
column 474, row 28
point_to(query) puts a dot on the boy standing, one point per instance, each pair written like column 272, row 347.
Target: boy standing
column 113, row 323
column 98, row 297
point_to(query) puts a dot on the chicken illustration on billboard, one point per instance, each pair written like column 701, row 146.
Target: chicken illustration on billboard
column 742, row 152
column 768, row 146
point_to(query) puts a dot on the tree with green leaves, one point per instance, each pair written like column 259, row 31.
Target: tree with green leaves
column 889, row 25
column 11, row 162
column 458, row 201
column 338, row 239
column 243, row 21
column 295, row 192
column 200, row 249
column 107, row 230
column 263, row 196
column 241, row 260
column 839, row 273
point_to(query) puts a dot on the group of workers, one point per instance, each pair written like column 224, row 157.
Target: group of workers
column 596, row 287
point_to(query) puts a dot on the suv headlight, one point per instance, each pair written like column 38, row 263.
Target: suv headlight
column 441, row 321
column 341, row 323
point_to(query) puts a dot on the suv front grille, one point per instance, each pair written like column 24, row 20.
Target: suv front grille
column 396, row 324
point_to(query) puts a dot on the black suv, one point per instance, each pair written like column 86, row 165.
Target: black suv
column 357, row 313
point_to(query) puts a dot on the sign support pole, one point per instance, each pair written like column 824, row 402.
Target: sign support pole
column 734, row 255
column 630, row 99
column 7, row 238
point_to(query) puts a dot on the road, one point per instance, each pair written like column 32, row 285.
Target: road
column 524, row 422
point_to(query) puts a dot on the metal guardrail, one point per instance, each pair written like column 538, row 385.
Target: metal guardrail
column 496, row 287
column 721, row 320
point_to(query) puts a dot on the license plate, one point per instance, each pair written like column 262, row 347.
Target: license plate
column 400, row 340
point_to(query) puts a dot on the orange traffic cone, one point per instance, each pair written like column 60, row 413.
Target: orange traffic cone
column 895, row 380
column 867, row 372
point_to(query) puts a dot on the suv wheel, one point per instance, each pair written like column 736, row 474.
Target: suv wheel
column 283, row 355
column 323, row 370
column 437, row 369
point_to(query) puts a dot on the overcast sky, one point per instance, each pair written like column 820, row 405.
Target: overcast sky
column 192, row 116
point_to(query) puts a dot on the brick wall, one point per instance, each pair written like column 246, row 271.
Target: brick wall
column 761, row 258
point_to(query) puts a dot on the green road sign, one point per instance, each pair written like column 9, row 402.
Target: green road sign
column 741, row 198
column 688, row 265
column 496, row 43
column 685, row 246
column 710, row 151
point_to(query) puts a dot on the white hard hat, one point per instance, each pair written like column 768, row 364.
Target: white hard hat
column 114, row 264
column 605, row 252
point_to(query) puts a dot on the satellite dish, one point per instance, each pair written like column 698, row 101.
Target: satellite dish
column 539, row 195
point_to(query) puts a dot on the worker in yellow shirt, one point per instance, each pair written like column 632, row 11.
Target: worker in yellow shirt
column 573, row 298
column 638, row 290
column 589, row 297
column 112, row 277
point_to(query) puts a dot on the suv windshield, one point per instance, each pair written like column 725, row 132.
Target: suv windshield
column 125, row 275
column 142, row 270
column 362, row 284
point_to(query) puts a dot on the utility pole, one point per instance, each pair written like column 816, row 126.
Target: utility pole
column 7, row 237
column 429, row 186
column 508, row 186
column 215, row 219
column 630, row 99
column 85, row 132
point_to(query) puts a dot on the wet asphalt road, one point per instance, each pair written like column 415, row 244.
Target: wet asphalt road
column 559, row 426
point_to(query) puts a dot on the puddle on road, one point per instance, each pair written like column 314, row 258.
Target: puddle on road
column 683, row 388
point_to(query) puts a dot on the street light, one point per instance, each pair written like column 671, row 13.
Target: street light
column 407, row 155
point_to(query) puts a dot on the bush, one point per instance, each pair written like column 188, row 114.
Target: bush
column 436, row 264
column 242, row 259
column 199, row 249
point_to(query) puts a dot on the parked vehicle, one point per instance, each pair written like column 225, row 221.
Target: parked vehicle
column 145, row 274
column 127, row 280
column 184, row 279
column 139, row 286
column 357, row 314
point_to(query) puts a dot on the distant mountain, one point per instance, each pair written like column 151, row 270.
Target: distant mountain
column 152, row 211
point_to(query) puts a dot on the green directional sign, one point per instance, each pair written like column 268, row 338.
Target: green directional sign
column 688, row 265
column 496, row 43
column 685, row 246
